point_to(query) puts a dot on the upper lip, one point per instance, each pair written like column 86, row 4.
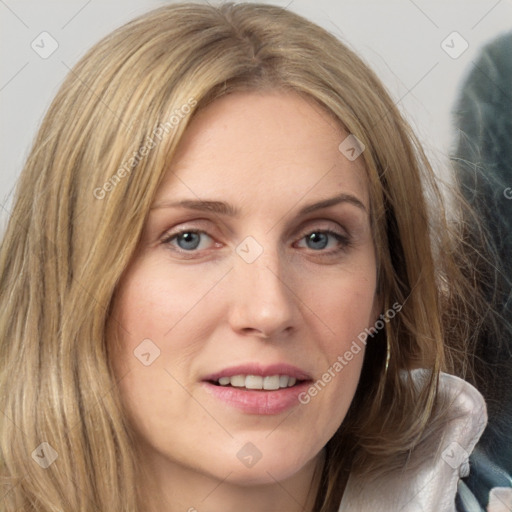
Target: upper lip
column 258, row 369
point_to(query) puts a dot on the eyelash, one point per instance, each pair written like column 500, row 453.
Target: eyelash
column 343, row 240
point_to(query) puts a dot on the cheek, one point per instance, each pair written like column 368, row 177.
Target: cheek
column 151, row 336
column 154, row 302
column 345, row 307
column 347, row 304
column 160, row 321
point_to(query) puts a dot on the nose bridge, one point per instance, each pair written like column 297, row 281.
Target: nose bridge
column 263, row 300
column 262, row 268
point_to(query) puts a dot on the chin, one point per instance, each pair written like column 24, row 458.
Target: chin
column 264, row 471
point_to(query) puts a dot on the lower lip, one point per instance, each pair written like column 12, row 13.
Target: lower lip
column 258, row 401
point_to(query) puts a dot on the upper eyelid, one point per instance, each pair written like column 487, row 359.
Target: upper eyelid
column 169, row 235
column 303, row 227
column 348, row 219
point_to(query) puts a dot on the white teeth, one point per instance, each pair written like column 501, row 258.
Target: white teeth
column 269, row 383
column 254, row 382
column 238, row 381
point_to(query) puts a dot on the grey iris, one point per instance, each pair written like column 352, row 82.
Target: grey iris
column 190, row 241
column 317, row 240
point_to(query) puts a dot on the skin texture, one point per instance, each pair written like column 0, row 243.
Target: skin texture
column 268, row 155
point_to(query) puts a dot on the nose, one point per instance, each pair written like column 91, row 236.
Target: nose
column 263, row 302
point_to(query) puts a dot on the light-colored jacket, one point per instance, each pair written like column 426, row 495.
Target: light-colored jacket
column 428, row 482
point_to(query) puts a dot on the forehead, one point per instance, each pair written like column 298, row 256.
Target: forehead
column 264, row 144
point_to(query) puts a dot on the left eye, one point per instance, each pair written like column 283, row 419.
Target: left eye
column 319, row 240
column 187, row 240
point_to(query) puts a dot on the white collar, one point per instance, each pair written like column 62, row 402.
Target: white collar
column 432, row 485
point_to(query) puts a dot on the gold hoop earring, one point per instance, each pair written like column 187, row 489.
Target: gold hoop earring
column 388, row 354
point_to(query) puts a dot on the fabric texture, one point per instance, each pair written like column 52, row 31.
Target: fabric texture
column 429, row 479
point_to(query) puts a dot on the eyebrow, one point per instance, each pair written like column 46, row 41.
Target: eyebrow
column 222, row 208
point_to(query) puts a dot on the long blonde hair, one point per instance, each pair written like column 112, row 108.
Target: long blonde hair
column 81, row 203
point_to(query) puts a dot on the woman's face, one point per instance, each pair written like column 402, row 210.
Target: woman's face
column 256, row 267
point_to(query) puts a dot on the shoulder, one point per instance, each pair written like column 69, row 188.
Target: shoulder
column 429, row 477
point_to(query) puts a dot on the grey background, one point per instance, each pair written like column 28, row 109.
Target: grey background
column 400, row 39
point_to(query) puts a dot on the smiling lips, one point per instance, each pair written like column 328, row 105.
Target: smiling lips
column 255, row 389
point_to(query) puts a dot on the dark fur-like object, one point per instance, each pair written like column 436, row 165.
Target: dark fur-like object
column 483, row 165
